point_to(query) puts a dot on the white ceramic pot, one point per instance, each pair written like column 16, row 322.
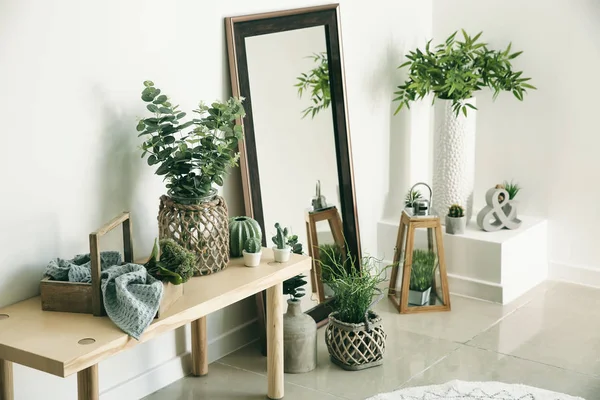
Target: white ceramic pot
column 251, row 259
column 454, row 158
column 282, row 255
column 419, row 298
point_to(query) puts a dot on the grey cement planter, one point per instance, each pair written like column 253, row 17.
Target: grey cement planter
column 417, row 298
column 456, row 226
column 299, row 340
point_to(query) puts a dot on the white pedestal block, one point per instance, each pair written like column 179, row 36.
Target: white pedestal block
column 493, row 266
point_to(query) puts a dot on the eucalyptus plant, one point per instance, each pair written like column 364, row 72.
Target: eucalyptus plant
column 316, row 81
column 455, row 70
column 191, row 155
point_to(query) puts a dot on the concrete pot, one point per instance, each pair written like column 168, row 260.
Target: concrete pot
column 251, row 259
column 299, row 340
column 455, row 226
column 282, row 255
column 419, row 298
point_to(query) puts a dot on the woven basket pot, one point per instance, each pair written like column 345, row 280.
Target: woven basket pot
column 201, row 228
column 355, row 346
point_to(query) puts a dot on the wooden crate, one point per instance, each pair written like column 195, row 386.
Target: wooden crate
column 78, row 297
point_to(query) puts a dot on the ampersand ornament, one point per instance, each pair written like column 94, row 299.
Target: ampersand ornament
column 493, row 216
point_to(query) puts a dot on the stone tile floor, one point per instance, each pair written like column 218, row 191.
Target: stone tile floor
column 548, row 338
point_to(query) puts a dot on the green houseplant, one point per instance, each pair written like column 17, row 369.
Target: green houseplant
column 169, row 262
column 252, row 252
column 456, row 220
column 410, row 198
column 512, row 188
column 421, row 276
column 452, row 73
column 282, row 249
column 316, row 82
column 354, row 336
column 330, row 255
column 192, row 156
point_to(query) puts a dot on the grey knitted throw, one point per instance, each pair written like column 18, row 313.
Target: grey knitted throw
column 131, row 296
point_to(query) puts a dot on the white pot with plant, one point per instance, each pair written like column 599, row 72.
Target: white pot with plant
column 421, row 277
column 252, row 252
column 282, row 249
column 453, row 72
column 456, row 221
column 409, row 200
column 513, row 189
column 354, row 335
column 182, row 151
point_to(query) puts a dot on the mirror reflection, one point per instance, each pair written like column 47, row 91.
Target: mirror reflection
column 294, row 134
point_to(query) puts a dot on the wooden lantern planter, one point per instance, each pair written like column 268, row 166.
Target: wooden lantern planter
column 79, row 297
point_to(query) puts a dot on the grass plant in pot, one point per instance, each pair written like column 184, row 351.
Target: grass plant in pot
column 456, row 221
column 409, row 200
column 282, row 249
column 252, row 252
column 299, row 330
column 421, row 277
column 193, row 157
column 330, row 255
column 354, row 336
column 453, row 72
column 513, row 189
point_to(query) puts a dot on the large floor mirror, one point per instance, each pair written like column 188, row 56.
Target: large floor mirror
column 288, row 66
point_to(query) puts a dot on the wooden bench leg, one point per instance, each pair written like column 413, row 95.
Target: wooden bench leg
column 199, row 348
column 275, row 341
column 6, row 380
column 87, row 384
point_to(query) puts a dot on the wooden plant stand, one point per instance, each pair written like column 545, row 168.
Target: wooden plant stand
column 406, row 235
column 332, row 216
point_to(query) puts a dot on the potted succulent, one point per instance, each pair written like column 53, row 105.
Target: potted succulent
column 456, row 220
column 354, row 336
column 240, row 230
column 193, row 156
column 409, row 200
column 512, row 189
column 421, row 277
column 282, row 249
column 452, row 72
column 252, row 252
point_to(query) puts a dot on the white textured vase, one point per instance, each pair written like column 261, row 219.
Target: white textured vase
column 454, row 158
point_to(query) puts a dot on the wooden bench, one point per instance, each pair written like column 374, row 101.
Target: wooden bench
column 62, row 344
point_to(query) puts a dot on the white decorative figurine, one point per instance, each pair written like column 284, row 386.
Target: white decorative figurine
column 493, row 217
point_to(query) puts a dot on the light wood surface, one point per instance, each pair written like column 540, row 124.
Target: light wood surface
column 199, row 347
column 87, row 384
column 6, row 380
column 48, row 341
column 275, row 341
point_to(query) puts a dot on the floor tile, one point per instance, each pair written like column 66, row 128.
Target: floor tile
column 471, row 364
column 228, row 383
column 550, row 331
column 407, row 354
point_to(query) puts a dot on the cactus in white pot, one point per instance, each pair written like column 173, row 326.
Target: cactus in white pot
column 281, row 250
column 252, row 252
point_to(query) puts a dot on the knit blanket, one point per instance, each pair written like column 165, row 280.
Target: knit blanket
column 131, row 296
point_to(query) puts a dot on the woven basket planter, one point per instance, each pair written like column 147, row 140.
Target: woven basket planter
column 202, row 228
column 356, row 346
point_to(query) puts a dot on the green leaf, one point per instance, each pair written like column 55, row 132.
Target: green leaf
column 165, row 110
column 528, row 86
column 148, row 83
column 152, row 108
column 160, row 99
column 181, row 115
column 515, row 55
column 169, row 139
column 163, row 169
column 140, row 126
column 152, row 160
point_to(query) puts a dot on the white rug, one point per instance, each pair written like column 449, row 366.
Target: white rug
column 459, row 390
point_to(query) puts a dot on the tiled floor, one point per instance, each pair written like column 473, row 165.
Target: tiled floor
column 549, row 338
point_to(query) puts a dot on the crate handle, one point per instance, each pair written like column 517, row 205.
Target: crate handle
column 124, row 220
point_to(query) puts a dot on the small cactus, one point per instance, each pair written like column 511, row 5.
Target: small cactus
column 280, row 239
column 456, row 211
column 252, row 245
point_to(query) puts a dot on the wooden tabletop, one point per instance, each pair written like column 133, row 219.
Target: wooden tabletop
column 49, row 341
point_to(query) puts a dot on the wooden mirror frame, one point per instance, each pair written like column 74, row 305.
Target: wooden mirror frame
column 237, row 30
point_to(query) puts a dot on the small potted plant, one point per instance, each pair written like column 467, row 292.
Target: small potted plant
column 456, row 220
column 513, row 189
column 354, row 336
column 421, row 277
column 252, row 252
column 282, row 249
column 409, row 200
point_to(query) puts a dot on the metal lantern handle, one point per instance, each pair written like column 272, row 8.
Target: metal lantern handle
column 428, row 187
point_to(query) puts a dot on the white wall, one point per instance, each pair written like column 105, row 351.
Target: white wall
column 548, row 143
column 70, row 80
